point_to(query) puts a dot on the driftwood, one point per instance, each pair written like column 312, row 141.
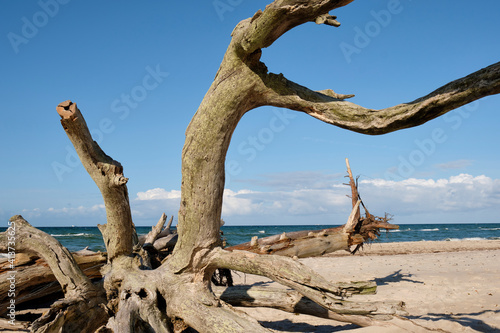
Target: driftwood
column 135, row 295
column 35, row 280
column 157, row 232
column 310, row 243
column 291, row 301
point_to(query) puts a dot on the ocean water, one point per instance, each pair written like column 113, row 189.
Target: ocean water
column 77, row 238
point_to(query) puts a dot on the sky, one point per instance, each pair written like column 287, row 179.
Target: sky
column 139, row 70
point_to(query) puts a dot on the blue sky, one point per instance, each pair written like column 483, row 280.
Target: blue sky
column 138, row 71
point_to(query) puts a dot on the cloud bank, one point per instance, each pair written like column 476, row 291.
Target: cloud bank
column 321, row 203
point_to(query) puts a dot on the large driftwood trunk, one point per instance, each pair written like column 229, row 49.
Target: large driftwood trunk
column 35, row 280
column 136, row 296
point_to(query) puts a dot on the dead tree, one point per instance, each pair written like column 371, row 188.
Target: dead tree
column 178, row 294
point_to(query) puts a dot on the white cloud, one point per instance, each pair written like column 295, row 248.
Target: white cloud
column 235, row 203
column 158, row 194
column 94, row 210
column 458, row 193
column 296, row 202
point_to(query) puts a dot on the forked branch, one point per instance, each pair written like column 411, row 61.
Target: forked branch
column 252, row 35
column 332, row 109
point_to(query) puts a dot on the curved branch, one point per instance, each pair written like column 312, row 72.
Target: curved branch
column 279, row 17
column 82, row 307
column 251, row 35
column 64, row 267
column 119, row 234
column 332, row 109
column 299, row 277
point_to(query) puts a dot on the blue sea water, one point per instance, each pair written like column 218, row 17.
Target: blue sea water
column 77, row 238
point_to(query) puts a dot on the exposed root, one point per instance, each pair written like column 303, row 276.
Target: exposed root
column 73, row 315
column 299, row 277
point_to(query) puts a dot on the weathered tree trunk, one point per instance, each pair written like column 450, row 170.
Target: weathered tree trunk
column 35, row 280
column 293, row 302
column 119, row 232
column 80, row 309
column 137, row 298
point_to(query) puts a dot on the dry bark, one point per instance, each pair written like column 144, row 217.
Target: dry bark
column 35, row 280
column 81, row 306
column 289, row 301
column 311, row 243
column 178, row 293
column 119, row 232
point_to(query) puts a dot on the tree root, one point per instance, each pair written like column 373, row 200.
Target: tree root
column 73, row 315
column 286, row 300
column 299, row 277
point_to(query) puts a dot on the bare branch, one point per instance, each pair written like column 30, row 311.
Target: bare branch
column 333, row 110
column 107, row 173
column 156, row 230
column 354, row 189
column 200, row 309
column 64, row 267
column 299, row 277
column 279, row 17
column 328, row 20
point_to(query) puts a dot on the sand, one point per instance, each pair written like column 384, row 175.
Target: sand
column 449, row 286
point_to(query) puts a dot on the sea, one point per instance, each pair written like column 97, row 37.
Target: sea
column 76, row 238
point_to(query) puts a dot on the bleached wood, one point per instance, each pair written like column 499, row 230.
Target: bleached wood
column 119, row 233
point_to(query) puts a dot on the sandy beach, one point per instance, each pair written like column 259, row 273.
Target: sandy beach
column 447, row 286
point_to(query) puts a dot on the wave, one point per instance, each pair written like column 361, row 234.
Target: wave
column 489, row 229
column 399, row 230
column 466, row 239
column 82, row 234
column 435, row 229
column 262, row 231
